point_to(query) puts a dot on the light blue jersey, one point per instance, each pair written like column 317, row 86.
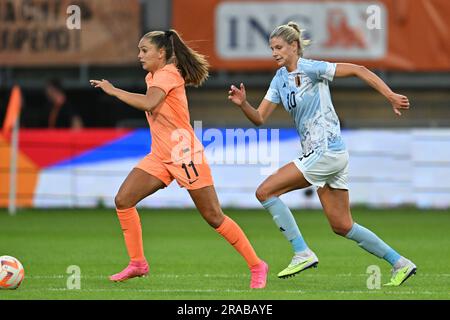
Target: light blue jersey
column 306, row 96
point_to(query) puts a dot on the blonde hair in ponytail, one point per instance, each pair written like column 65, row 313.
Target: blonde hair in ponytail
column 192, row 65
column 291, row 32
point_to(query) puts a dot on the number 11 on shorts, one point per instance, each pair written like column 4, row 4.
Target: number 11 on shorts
column 185, row 167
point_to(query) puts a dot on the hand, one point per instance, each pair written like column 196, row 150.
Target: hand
column 236, row 95
column 105, row 85
column 398, row 102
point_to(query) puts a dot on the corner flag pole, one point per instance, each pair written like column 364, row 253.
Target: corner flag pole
column 11, row 123
column 13, row 168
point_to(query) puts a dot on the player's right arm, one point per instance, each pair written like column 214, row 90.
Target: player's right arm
column 144, row 102
column 257, row 116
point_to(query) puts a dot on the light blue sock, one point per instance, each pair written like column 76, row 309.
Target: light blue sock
column 286, row 223
column 372, row 243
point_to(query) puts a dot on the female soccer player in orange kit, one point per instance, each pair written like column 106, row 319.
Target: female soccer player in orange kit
column 175, row 151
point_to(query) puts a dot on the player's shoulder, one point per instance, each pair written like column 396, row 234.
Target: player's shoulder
column 280, row 73
column 308, row 64
column 148, row 77
column 170, row 69
column 169, row 73
column 315, row 68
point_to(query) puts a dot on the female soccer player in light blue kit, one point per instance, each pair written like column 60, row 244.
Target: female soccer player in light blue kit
column 301, row 85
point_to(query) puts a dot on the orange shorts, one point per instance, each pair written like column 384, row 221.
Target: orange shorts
column 190, row 175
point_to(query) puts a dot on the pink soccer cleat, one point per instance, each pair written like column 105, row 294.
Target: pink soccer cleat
column 134, row 269
column 259, row 275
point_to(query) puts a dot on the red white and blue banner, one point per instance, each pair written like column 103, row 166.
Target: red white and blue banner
column 64, row 168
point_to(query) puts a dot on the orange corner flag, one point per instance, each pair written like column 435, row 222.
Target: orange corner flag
column 13, row 110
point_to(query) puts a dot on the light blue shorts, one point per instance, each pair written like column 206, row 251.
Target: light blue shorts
column 330, row 167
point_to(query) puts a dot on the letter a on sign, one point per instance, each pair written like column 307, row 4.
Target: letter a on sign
column 74, row 19
column 374, row 17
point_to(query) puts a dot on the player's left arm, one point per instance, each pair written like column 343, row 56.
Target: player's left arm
column 144, row 102
column 398, row 101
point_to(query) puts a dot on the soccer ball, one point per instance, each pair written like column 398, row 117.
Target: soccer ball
column 11, row 272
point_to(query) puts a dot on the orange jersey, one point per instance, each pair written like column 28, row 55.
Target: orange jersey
column 173, row 137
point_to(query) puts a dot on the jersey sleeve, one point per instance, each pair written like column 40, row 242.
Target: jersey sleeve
column 273, row 95
column 165, row 80
column 318, row 70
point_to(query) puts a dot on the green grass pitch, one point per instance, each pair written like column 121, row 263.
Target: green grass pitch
column 189, row 260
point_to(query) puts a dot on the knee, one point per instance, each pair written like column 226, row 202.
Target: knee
column 262, row 193
column 122, row 201
column 214, row 217
column 341, row 229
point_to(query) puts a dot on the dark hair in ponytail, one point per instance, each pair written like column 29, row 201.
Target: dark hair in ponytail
column 193, row 66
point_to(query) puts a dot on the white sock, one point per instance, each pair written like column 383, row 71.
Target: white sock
column 305, row 253
column 401, row 263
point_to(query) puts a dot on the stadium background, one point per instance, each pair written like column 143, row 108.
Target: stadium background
column 395, row 162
